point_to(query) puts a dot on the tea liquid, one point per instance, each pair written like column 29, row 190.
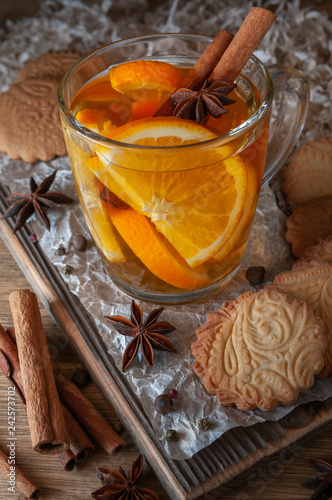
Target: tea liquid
column 166, row 219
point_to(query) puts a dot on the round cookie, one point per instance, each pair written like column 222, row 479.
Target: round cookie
column 308, row 175
column 30, row 126
column 260, row 350
column 311, row 281
column 53, row 64
column 321, row 251
column 309, row 223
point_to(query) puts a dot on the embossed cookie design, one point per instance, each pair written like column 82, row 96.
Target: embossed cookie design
column 312, row 281
column 321, row 251
column 260, row 350
column 308, row 175
column 309, row 223
column 30, row 126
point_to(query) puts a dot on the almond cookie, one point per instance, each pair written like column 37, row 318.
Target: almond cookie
column 312, row 282
column 260, row 350
column 308, row 175
column 322, row 251
column 30, row 126
column 309, row 223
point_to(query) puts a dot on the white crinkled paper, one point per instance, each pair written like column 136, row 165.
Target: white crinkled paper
column 301, row 38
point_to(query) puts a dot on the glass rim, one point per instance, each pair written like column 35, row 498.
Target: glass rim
column 243, row 128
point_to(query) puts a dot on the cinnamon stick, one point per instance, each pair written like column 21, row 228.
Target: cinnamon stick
column 9, row 363
column 201, row 70
column 66, row 459
column 16, row 478
column 249, row 36
column 87, row 415
column 46, row 421
column 79, row 443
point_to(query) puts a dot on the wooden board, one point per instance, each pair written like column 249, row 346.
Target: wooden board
column 212, row 471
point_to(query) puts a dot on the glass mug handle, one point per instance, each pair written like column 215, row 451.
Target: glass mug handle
column 289, row 112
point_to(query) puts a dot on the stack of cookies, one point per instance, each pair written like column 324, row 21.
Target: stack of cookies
column 262, row 349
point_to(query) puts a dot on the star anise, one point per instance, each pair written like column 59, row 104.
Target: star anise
column 210, row 99
column 322, row 482
column 148, row 333
column 37, row 201
column 118, row 486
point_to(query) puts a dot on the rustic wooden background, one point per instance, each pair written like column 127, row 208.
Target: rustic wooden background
column 280, row 479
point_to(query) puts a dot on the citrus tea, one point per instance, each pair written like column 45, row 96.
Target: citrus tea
column 169, row 200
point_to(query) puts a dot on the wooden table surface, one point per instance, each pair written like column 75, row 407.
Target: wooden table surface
column 280, row 479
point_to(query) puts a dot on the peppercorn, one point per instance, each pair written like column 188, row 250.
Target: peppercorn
column 117, row 427
column 81, row 377
column 204, row 424
column 255, row 275
column 172, row 436
column 60, row 251
column 67, row 269
column 163, row 404
column 33, row 238
column 80, row 243
column 173, row 393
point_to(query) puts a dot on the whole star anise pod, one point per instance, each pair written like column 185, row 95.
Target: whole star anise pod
column 37, row 201
column 210, row 99
column 322, row 482
column 148, row 333
column 117, row 485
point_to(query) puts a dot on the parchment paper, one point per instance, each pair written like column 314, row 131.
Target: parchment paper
column 299, row 37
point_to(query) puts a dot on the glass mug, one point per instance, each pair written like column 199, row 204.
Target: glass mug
column 171, row 223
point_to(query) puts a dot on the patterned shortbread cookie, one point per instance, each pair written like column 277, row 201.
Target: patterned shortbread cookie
column 260, row 350
column 322, row 251
column 30, row 126
column 309, row 223
column 53, row 64
column 308, row 175
column 312, row 282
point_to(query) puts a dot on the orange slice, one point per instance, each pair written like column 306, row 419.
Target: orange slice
column 145, row 80
column 97, row 220
column 101, row 121
column 241, row 231
column 197, row 209
column 153, row 249
column 143, row 109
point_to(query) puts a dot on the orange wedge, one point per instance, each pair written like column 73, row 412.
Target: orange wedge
column 240, row 233
column 145, row 80
column 101, row 121
column 153, row 249
column 196, row 208
column 143, row 109
column 97, row 220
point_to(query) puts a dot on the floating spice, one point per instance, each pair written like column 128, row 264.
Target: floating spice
column 198, row 104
